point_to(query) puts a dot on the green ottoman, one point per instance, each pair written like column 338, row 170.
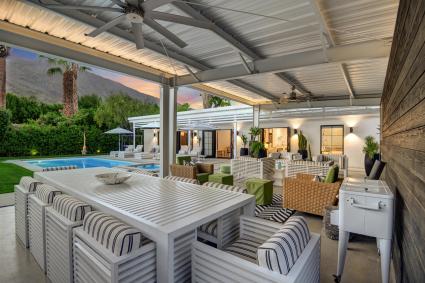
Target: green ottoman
column 262, row 190
column 221, row 178
column 202, row 177
column 225, row 168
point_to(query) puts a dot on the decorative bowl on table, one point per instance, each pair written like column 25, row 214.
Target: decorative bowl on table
column 113, row 178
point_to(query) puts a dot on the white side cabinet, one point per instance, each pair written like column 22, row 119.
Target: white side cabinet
column 366, row 207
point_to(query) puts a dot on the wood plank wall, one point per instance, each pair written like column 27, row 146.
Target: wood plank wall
column 403, row 139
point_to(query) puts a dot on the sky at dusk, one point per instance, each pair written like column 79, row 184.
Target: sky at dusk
column 185, row 95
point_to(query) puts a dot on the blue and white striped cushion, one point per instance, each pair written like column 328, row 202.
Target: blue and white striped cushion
column 280, row 252
column 56, row 168
column 70, row 207
column 46, row 193
column 29, row 184
column 225, row 187
column 245, row 249
column 182, row 179
column 210, row 228
column 113, row 234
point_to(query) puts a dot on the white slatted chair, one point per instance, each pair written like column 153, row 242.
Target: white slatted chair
column 285, row 253
column 182, row 179
column 37, row 204
column 26, row 187
column 62, row 217
column 225, row 229
column 107, row 250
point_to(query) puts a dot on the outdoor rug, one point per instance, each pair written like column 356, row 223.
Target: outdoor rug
column 274, row 212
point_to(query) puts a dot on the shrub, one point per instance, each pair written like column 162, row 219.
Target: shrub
column 4, row 122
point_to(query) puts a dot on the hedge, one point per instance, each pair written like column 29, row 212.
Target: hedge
column 33, row 139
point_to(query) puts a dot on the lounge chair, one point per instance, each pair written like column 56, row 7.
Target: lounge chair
column 265, row 252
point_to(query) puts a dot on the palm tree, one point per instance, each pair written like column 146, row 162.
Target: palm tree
column 209, row 101
column 4, row 52
column 69, row 72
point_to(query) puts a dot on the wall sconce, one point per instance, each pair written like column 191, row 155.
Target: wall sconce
column 351, row 130
column 295, row 131
column 195, row 134
column 154, row 135
column 237, row 133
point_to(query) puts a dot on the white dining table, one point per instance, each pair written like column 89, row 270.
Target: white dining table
column 167, row 212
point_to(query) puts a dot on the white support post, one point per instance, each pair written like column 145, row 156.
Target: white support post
column 173, row 125
column 256, row 116
column 134, row 135
column 164, row 131
column 235, row 140
column 189, row 140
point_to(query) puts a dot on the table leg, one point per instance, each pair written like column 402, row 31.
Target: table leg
column 385, row 249
column 342, row 252
column 164, row 260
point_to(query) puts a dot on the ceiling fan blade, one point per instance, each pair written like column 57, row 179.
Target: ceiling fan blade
column 179, row 19
column 137, row 29
column 166, row 33
column 86, row 8
column 107, row 26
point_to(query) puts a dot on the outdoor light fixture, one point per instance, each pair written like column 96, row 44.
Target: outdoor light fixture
column 351, row 130
column 154, row 135
column 195, row 134
column 295, row 131
column 237, row 133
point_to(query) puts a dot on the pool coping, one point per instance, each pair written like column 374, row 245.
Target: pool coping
column 23, row 162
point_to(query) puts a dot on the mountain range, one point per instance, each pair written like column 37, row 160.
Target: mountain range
column 27, row 77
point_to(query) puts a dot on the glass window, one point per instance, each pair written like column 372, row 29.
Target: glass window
column 332, row 139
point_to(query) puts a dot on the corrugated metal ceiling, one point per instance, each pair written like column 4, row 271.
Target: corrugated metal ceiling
column 349, row 21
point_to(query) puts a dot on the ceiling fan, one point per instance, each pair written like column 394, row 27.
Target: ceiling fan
column 292, row 97
column 137, row 13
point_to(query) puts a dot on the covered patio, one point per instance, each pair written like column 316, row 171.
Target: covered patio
column 309, row 81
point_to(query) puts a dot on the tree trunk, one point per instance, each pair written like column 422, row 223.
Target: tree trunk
column 206, row 100
column 4, row 52
column 70, row 96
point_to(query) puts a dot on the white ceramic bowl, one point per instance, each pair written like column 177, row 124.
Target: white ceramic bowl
column 113, row 178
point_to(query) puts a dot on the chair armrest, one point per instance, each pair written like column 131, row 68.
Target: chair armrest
column 183, row 171
column 257, row 228
column 218, row 266
column 303, row 176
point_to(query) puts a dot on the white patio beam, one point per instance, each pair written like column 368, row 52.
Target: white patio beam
column 327, row 32
column 164, row 133
column 373, row 49
column 173, row 125
column 336, row 102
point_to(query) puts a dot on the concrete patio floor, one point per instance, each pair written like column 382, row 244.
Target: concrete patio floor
column 362, row 264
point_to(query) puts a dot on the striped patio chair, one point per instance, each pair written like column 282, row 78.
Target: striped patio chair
column 225, row 229
column 26, row 187
column 108, row 250
column 182, row 179
column 57, row 168
column 62, row 217
column 265, row 252
column 144, row 172
column 37, row 203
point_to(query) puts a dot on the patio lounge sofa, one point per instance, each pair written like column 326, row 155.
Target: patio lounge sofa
column 265, row 252
column 305, row 194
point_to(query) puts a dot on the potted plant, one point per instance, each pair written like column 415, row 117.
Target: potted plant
column 244, row 149
column 257, row 149
column 371, row 151
column 302, row 145
column 255, row 132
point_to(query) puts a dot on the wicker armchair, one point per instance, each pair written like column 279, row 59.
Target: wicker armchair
column 199, row 171
column 304, row 194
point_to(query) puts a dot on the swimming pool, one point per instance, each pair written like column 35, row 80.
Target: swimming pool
column 85, row 162
column 150, row 167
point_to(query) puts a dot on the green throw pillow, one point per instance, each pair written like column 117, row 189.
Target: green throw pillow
column 332, row 175
column 180, row 160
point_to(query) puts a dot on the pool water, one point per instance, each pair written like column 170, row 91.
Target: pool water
column 150, row 167
column 79, row 162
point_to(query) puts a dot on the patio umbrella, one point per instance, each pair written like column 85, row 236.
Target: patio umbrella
column 119, row 131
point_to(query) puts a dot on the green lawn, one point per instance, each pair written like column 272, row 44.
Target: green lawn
column 10, row 174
